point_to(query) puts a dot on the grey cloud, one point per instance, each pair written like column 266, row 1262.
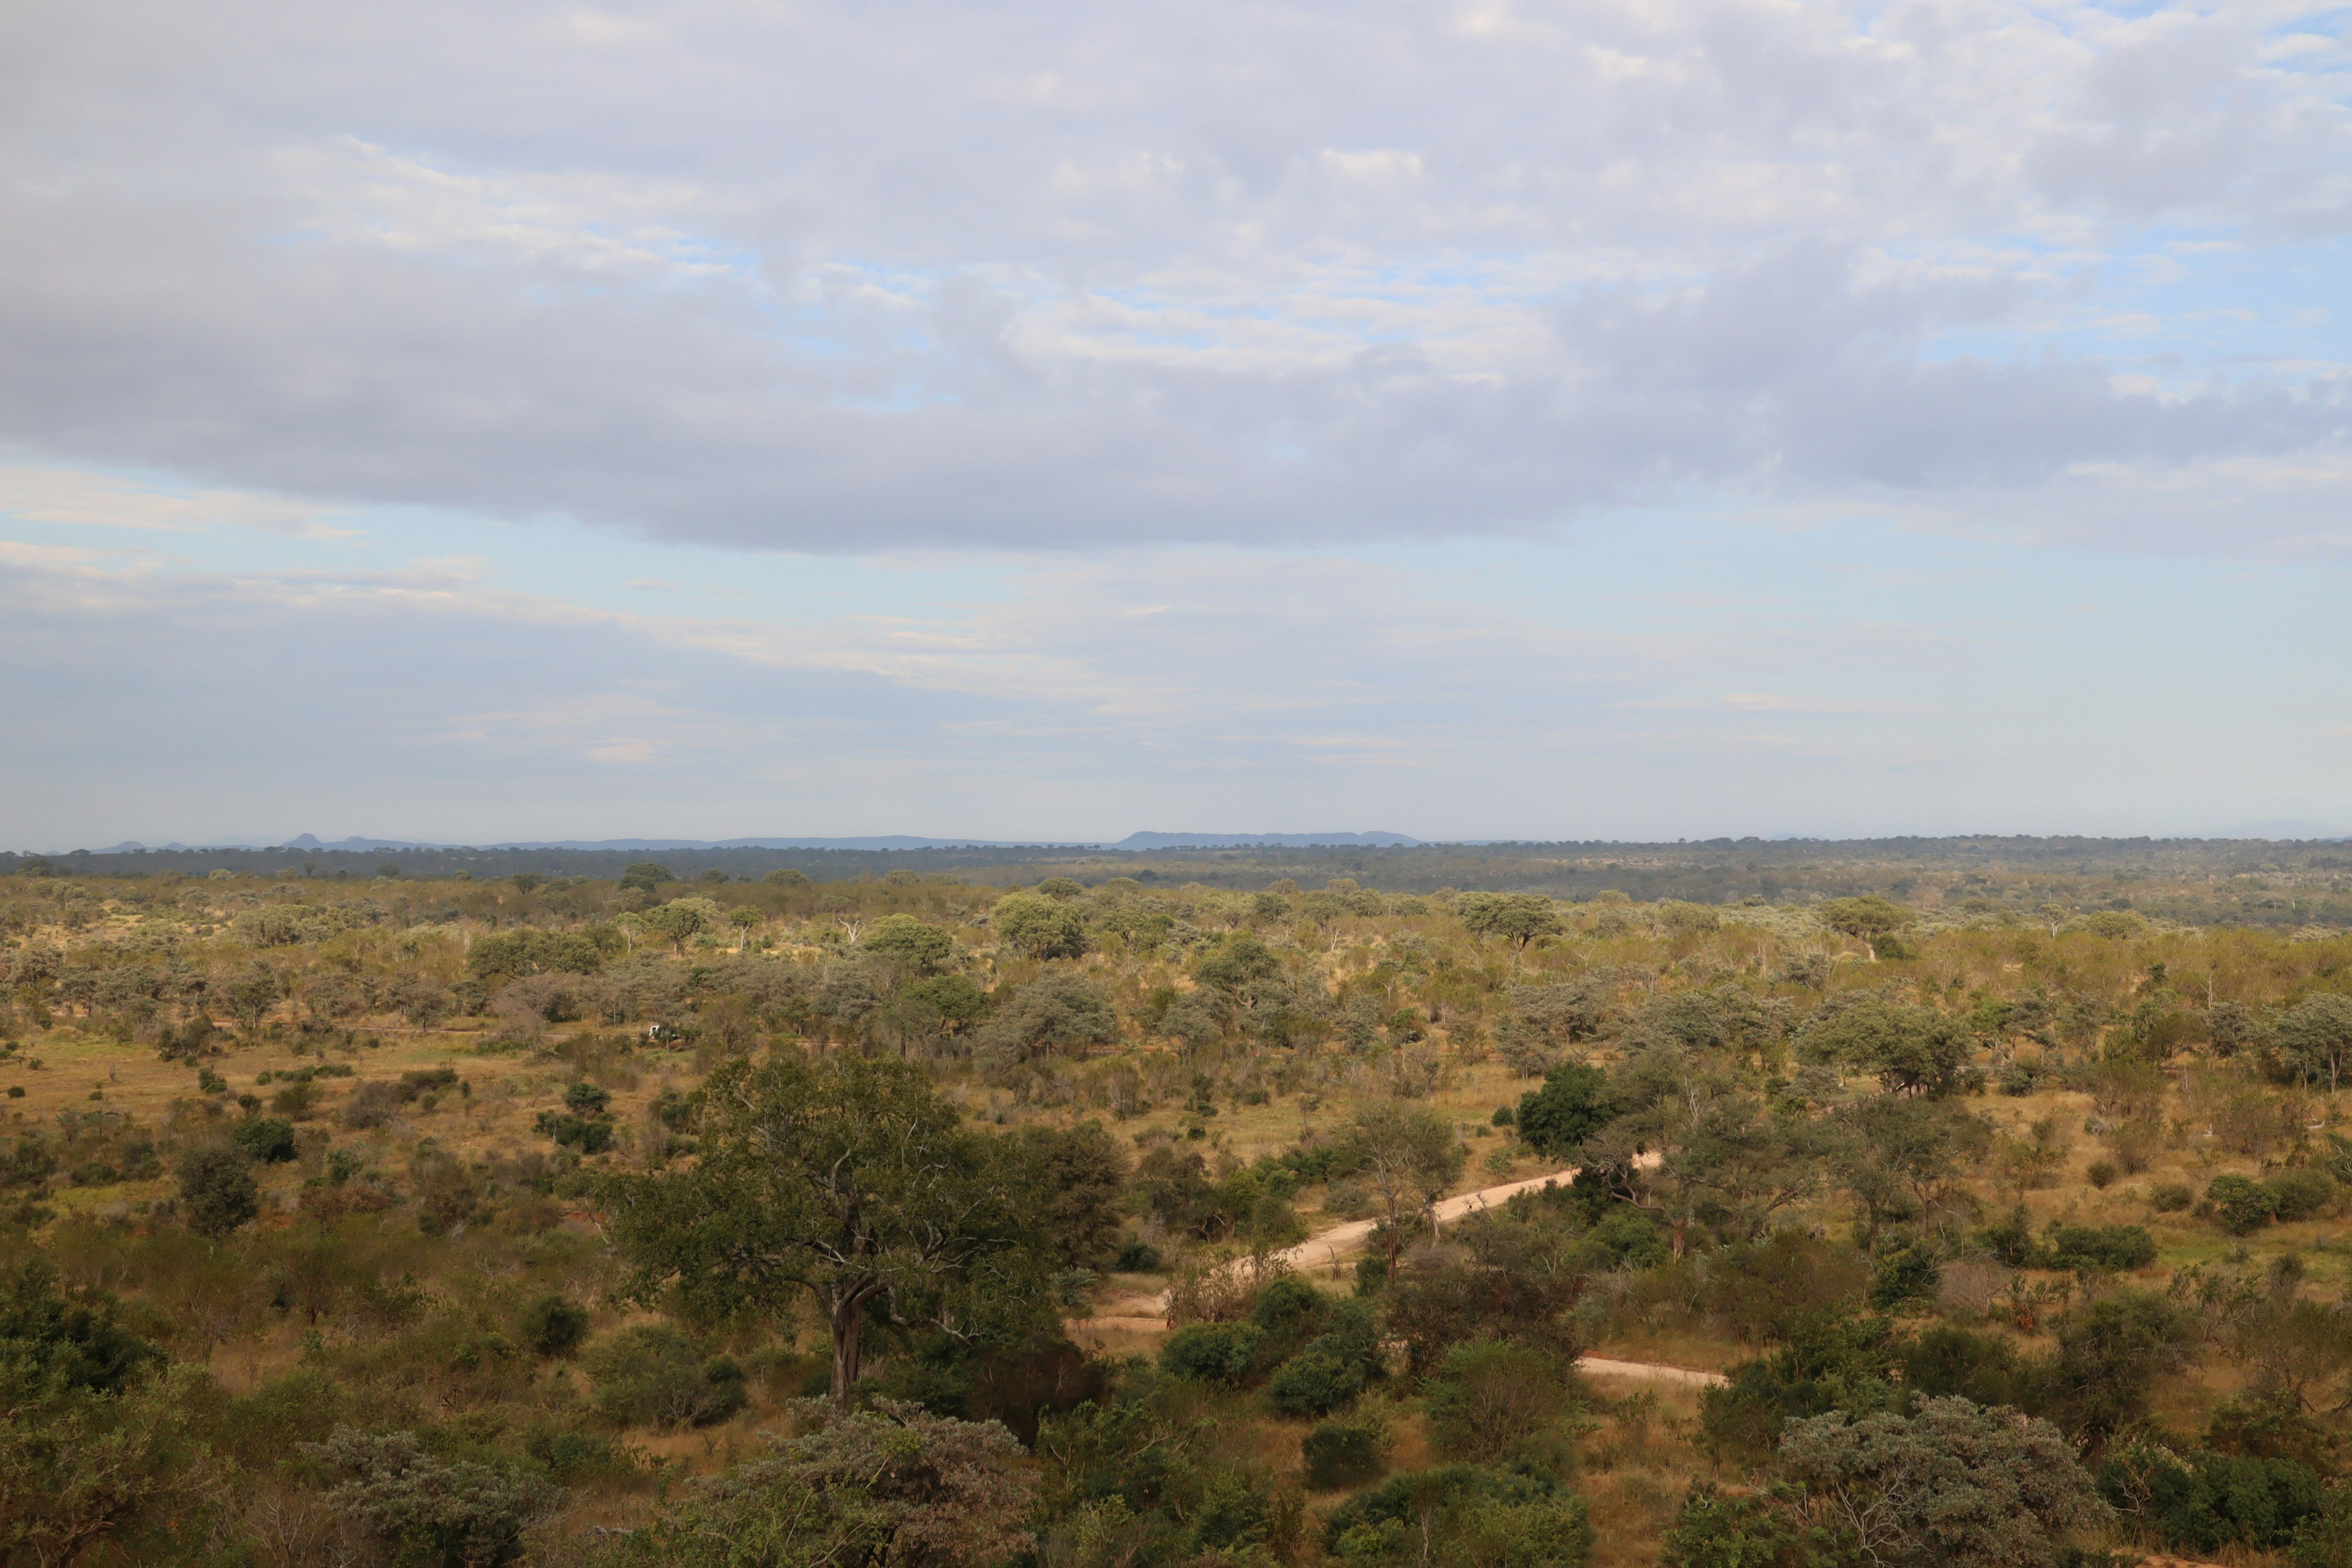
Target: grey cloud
column 803, row 278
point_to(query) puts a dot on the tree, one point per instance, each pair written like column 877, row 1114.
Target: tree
column 847, row 1179
column 1057, row 1013
column 1490, row 1400
column 1913, row 1050
column 921, row 946
column 680, row 920
column 1906, row 1160
column 1869, row 920
column 1074, row 1178
column 1241, row 969
column 78, row 1467
column 647, row 877
column 1518, row 918
column 217, row 1191
column 1039, row 927
column 1408, row 1155
column 1705, row 1153
column 1571, row 1106
column 1954, row 1483
column 2314, row 1036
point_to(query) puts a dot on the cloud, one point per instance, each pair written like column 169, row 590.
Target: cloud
column 1061, row 276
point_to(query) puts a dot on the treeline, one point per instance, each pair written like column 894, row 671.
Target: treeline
column 2194, row 882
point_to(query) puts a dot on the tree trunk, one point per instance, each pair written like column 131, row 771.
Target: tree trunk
column 848, row 1322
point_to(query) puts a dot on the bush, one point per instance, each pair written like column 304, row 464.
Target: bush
column 2299, row 1193
column 1212, row 1353
column 1313, row 1383
column 1903, row 1273
column 1138, row 1258
column 428, row 1509
column 2100, row 1246
column 554, row 1325
column 2103, row 1173
column 2171, row 1198
column 266, row 1140
column 2242, row 1205
column 1490, row 1400
column 2206, row 1501
column 1480, row 1518
column 217, row 1193
column 1344, row 1453
column 652, row 1376
column 1715, row 1530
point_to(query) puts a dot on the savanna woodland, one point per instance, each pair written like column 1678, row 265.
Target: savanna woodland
column 1932, row 1203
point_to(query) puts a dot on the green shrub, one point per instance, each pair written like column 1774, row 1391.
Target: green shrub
column 2171, row 1198
column 2241, row 1203
column 554, row 1325
column 1313, row 1383
column 2300, row 1192
column 2203, row 1501
column 652, row 1376
column 2100, row 1246
column 266, row 1140
column 1715, row 1530
column 1212, row 1353
column 1138, row 1258
column 1344, row 1453
column 1903, row 1273
column 1491, row 1400
column 217, row 1191
column 2103, row 1173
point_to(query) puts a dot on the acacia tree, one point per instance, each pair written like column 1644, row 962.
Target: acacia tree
column 1407, row 1156
column 1518, row 918
column 1869, row 920
column 847, row 1180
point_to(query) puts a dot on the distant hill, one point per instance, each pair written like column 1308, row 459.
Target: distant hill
column 1261, row 840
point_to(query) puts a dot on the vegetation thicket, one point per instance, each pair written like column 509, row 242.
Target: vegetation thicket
column 1949, row 1207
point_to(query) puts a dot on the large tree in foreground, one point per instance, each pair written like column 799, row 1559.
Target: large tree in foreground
column 846, row 1180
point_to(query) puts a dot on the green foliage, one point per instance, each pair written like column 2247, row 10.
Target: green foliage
column 847, row 1181
column 266, row 1140
column 1835, row 1360
column 73, row 1341
column 1473, row 1516
column 893, row 1487
column 2119, row 1247
column 1517, row 918
column 530, row 950
column 1344, row 1453
column 1571, row 1106
column 1333, row 1367
column 2203, row 1502
column 1913, row 1050
column 1718, row 1530
column 1213, row 1352
column 1490, row 1400
column 652, row 1376
column 2110, row 1355
column 905, row 939
column 1951, row 1483
column 1904, row 1273
column 1073, row 1180
column 456, row 1513
column 217, row 1191
column 554, row 1325
column 2242, row 1205
column 1039, row 927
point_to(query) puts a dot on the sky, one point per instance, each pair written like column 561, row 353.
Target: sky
column 1493, row 420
